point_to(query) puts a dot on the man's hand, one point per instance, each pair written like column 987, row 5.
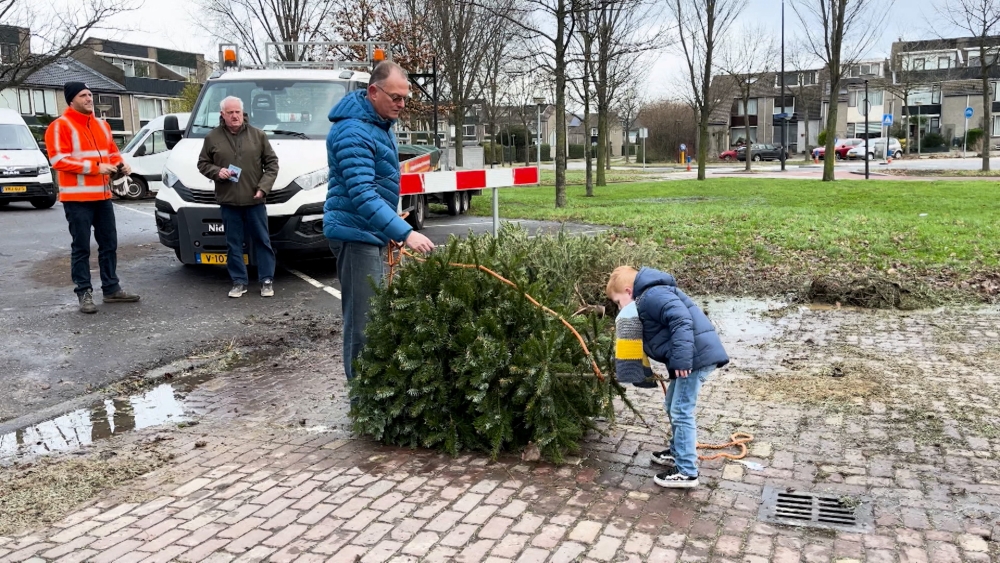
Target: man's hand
column 682, row 373
column 106, row 169
column 260, row 194
column 224, row 174
column 419, row 242
column 126, row 168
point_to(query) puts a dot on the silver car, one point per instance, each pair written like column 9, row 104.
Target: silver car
column 876, row 149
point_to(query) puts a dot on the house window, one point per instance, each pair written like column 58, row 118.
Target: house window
column 789, row 106
column 996, row 126
column 751, row 105
column 737, row 134
column 936, row 95
column 9, row 53
column 944, row 62
column 115, row 111
column 593, row 131
column 875, row 97
column 25, row 100
column 151, row 108
column 935, row 124
column 8, row 99
column 469, row 131
column 807, row 78
column 852, row 99
column 850, row 130
column 918, row 64
column 868, row 69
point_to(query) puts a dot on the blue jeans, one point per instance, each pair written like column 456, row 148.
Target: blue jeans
column 680, row 403
column 241, row 222
column 99, row 216
column 358, row 266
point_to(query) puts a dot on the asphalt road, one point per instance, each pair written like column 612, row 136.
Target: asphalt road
column 51, row 353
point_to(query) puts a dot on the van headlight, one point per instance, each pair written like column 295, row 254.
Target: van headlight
column 42, row 170
column 169, row 178
column 313, row 180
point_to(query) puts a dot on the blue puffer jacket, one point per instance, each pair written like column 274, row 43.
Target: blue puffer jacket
column 364, row 176
column 675, row 330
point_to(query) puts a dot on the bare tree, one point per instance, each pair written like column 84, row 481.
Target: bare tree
column 700, row 26
column 745, row 61
column 581, row 79
column 58, row 33
column 806, row 87
column 838, row 32
column 625, row 32
column 495, row 78
column 627, row 106
column 250, row 23
column 551, row 22
column 461, row 36
column 980, row 19
column 902, row 80
column 670, row 123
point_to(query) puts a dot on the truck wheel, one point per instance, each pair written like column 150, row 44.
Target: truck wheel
column 44, row 202
column 417, row 214
column 135, row 187
column 466, row 202
column 454, row 202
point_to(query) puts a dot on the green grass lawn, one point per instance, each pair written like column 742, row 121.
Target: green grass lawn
column 764, row 235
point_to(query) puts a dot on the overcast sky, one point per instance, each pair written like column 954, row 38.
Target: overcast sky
column 171, row 24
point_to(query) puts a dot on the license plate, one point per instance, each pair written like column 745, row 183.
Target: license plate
column 15, row 189
column 217, row 258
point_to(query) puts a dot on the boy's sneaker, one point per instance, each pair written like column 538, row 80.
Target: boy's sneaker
column 267, row 288
column 238, row 290
column 675, row 480
column 87, row 302
column 663, row 458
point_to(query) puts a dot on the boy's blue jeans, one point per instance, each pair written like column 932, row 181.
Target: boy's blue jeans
column 680, row 403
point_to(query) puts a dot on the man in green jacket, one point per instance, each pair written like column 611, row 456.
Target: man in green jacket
column 240, row 160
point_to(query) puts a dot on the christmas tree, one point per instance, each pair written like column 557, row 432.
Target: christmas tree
column 457, row 360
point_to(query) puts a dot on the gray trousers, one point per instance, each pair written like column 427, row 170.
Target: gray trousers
column 357, row 265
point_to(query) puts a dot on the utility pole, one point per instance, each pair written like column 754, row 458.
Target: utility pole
column 784, row 117
column 868, row 108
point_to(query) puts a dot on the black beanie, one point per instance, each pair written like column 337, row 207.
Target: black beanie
column 71, row 89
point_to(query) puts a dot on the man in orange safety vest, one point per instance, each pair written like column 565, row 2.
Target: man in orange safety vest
column 84, row 156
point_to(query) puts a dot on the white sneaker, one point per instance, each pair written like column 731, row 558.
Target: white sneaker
column 238, row 290
column 675, row 480
column 267, row 289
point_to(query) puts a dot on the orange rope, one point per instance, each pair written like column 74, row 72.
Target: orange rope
column 397, row 251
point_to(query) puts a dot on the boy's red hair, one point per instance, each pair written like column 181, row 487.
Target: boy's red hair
column 622, row 278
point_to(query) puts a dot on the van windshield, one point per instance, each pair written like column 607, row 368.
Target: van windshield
column 136, row 139
column 286, row 108
column 15, row 137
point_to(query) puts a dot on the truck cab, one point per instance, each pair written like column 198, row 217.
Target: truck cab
column 290, row 104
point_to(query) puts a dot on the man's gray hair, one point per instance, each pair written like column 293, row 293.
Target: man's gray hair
column 222, row 104
column 383, row 70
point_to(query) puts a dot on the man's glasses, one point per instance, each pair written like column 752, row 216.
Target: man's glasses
column 396, row 98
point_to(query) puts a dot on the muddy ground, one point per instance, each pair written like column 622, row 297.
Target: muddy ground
column 896, row 407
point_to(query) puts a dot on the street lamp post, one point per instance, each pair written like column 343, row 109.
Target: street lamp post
column 539, row 101
column 868, row 107
column 784, row 118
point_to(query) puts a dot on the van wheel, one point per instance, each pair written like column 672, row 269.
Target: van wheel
column 136, row 187
column 454, row 202
column 44, row 202
column 466, row 202
column 418, row 213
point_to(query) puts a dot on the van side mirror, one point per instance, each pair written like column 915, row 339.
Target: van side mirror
column 172, row 133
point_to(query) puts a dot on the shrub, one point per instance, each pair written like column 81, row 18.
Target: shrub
column 931, row 141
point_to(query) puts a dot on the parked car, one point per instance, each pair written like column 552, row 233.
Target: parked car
column 841, row 148
column 760, row 152
column 24, row 168
column 728, row 156
column 876, row 149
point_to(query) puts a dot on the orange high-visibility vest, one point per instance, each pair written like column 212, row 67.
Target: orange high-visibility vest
column 78, row 143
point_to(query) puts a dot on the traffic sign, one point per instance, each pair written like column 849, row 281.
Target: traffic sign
column 643, row 132
column 684, row 147
column 886, row 119
column 968, row 113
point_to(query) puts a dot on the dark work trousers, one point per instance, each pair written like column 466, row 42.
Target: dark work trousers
column 242, row 222
column 99, row 216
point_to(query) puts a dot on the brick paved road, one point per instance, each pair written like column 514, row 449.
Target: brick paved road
column 267, row 487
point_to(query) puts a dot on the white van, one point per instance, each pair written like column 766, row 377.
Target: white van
column 24, row 168
column 146, row 153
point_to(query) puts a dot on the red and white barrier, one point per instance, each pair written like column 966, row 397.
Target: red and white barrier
column 459, row 180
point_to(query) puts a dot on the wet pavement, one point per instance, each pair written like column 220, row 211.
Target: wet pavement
column 893, row 413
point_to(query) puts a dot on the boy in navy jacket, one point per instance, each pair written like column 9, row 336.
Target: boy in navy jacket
column 677, row 333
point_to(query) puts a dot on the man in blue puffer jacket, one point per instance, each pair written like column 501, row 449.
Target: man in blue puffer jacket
column 676, row 332
column 359, row 216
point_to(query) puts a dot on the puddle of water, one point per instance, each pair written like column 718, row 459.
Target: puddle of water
column 161, row 404
column 742, row 318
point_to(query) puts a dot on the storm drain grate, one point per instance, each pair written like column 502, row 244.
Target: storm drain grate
column 794, row 508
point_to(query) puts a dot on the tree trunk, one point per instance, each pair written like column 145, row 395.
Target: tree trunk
column 587, row 153
column 560, row 72
column 746, row 125
column 830, row 156
column 805, row 115
column 987, row 111
column 458, row 116
column 602, row 148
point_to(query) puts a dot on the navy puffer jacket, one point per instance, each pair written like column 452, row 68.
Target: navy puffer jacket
column 675, row 330
column 363, row 192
